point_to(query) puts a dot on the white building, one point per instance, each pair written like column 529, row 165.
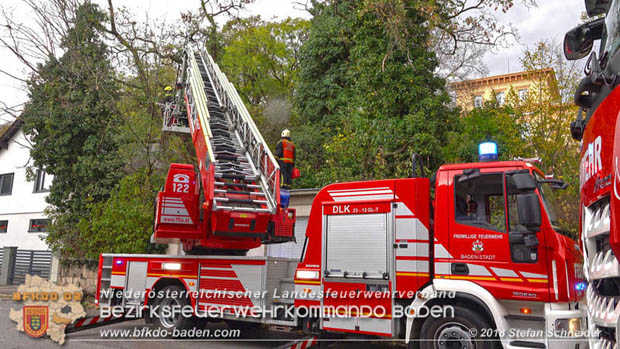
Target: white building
column 22, row 202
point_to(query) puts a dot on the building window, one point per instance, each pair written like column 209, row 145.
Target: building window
column 40, row 184
column 501, row 98
column 6, row 184
column 38, row 225
column 4, row 225
column 477, row 101
column 523, row 94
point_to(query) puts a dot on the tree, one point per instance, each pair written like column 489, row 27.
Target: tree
column 71, row 118
column 262, row 59
column 362, row 112
column 124, row 222
column 547, row 112
column 106, row 131
column 462, row 31
column 491, row 123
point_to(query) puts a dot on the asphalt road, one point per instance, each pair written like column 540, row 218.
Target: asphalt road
column 91, row 339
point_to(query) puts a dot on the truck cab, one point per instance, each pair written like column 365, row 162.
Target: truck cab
column 487, row 244
column 501, row 232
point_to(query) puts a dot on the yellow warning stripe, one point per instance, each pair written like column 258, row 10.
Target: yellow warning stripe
column 542, row 281
column 411, row 274
column 467, row 277
column 307, row 282
column 175, row 275
column 511, row 279
column 118, row 273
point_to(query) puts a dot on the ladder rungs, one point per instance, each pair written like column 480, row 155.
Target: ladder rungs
column 243, row 185
column 234, row 176
column 244, row 209
column 229, row 191
column 242, row 201
column 233, row 164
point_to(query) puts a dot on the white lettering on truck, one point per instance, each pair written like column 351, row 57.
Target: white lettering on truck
column 591, row 161
column 341, row 209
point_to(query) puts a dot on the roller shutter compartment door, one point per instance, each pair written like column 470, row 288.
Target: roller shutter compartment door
column 357, row 244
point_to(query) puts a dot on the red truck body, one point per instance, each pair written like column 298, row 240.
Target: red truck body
column 368, row 239
column 596, row 126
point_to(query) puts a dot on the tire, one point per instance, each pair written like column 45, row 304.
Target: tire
column 170, row 323
column 455, row 332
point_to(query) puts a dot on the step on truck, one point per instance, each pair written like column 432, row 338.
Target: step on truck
column 597, row 126
column 470, row 258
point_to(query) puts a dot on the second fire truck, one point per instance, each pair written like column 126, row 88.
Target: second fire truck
column 598, row 128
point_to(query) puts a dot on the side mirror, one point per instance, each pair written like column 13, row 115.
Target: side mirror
column 529, row 211
column 597, row 7
column 555, row 183
column 578, row 41
column 524, row 182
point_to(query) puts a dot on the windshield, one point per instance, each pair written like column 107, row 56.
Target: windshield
column 550, row 203
column 611, row 34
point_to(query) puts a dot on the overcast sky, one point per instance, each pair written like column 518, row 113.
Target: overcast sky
column 550, row 19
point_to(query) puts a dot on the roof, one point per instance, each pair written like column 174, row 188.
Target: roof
column 490, row 164
column 9, row 133
column 304, row 191
column 499, row 79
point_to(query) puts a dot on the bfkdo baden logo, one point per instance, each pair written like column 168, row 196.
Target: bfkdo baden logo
column 35, row 320
column 47, row 309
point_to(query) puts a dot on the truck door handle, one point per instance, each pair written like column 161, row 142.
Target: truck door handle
column 459, row 269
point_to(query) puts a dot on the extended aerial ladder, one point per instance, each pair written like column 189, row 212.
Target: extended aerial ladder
column 233, row 204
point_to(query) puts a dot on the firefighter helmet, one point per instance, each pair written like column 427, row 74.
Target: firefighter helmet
column 168, row 88
column 286, row 133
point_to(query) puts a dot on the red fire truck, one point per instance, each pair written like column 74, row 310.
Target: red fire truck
column 468, row 259
column 597, row 127
column 485, row 245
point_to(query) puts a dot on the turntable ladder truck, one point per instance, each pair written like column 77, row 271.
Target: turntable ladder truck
column 376, row 254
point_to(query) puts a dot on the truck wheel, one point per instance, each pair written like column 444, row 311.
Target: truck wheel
column 170, row 322
column 463, row 331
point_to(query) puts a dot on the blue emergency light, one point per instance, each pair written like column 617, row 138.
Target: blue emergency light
column 487, row 151
column 580, row 286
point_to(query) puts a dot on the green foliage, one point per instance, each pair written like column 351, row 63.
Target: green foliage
column 362, row 110
column 491, row 123
column 261, row 59
column 71, row 118
column 547, row 113
column 124, row 222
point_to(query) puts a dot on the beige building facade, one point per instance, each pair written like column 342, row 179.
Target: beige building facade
column 475, row 93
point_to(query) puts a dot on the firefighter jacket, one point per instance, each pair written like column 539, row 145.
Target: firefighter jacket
column 285, row 150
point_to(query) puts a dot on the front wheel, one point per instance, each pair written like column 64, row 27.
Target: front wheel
column 463, row 331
